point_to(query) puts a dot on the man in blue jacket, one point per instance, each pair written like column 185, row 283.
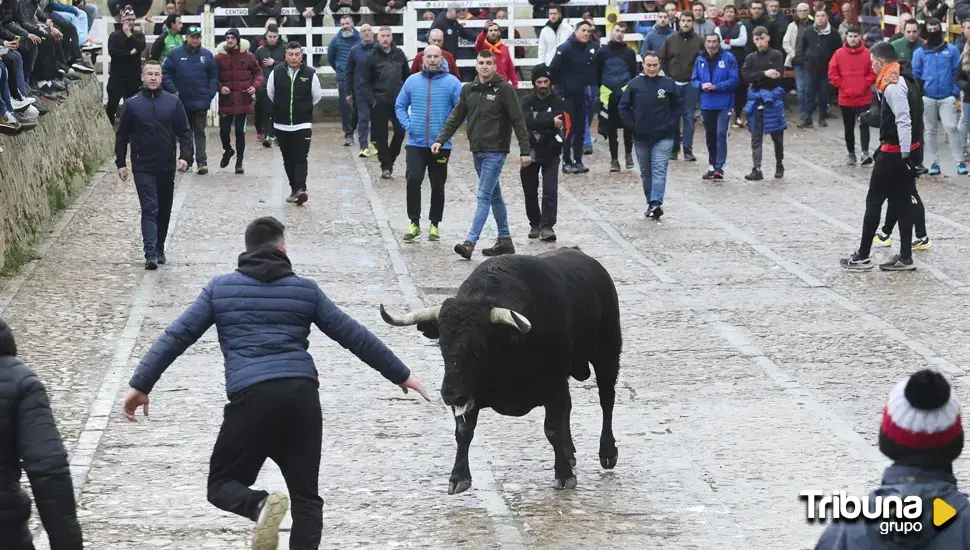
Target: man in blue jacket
column 152, row 121
column 358, row 99
column 190, row 72
column 935, row 65
column 651, row 107
column 572, row 70
column 717, row 75
column 338, row 55
column 431, row 95
column 922, row 433
column 263, row 312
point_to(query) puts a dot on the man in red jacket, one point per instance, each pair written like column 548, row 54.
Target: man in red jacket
column 437, row 38
column 491, row 39
column 850, row 71
column 239, row 77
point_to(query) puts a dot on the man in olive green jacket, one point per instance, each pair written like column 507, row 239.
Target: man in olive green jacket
column 909, row 43
column 493, row 112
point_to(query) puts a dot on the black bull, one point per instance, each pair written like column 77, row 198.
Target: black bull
column 513, row 334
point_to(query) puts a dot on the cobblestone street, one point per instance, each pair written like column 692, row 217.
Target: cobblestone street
column 753, row 366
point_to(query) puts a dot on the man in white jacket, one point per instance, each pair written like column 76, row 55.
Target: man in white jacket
column 553, row 34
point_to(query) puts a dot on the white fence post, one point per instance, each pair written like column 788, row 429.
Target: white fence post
column 209, row 43
column 410, row 32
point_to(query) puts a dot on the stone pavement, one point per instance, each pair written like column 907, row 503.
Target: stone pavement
column 754, row 367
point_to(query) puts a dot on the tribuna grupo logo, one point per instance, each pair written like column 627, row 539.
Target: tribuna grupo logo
column 895, row 514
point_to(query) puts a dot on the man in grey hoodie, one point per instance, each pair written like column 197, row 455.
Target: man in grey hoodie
column 922, row 433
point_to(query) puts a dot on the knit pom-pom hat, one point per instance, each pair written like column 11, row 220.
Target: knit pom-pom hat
column 921, row 422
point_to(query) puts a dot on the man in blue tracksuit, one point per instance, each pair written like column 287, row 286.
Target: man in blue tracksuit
column 263, row 312
column 430, row 95
column 152, row 121
column 651, row 106
column 338, row 55
column 935, row 66
column 572, row 70
column 716, row 75
column 190, row 72
column 360, row 103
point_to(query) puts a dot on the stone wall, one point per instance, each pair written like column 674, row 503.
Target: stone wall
column 42, row 169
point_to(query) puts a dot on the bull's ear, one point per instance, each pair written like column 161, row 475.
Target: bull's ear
column 429, row 329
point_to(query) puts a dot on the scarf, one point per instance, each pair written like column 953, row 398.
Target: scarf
column 825, row 30
column 888, row 75
column 496, row 47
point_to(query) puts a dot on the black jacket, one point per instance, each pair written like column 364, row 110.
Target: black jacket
column 817, row 49
column 257, row 8
column 453, row 30
column 572, row 68
column 154, row 123
column 13, row 20
column 755, row 65
column 544, row 138
column 30, row 442
column 384, row 74
column 125, row 52
column 277, row 52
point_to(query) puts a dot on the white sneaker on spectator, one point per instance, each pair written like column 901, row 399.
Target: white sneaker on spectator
column 82, row 67
column 18, row 105
column 9, row 122
column 91, row 47
column 31, row 112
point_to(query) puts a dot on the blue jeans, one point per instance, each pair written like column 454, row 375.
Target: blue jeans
column 489, row 168
column 653, row 159
column 688, row 99
column 74, row 16
column 716, row 125
column 19, row 84
column 343, row 90
column 590, row 113
column 7, row 104
column 801, row 84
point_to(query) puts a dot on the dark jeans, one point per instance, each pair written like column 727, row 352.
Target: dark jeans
column 362, row 115
column 849, row 117
column 263, row 114
column 155, row 193
column 544, row 218
column 346, row 114
column 614, row 142
column 418, row 160
column 280, row 420
column 818, row 95
column 572, row 150
column 890, row 180
column 382, row 114
column 295, row 147
column 118, row 89
column 197, row 123
column 757, row 127
column 226, row 123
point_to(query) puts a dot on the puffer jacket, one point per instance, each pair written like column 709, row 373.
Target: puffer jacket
column 238, row 71
column 263, row 313
column 850, row 71
column 193, row 74
column 936, row 68
column 572, row 67
column 903, row 481
column 355, row 64
column 773, row 101
column 338, row 52
column 30, row 442
column 431, row 96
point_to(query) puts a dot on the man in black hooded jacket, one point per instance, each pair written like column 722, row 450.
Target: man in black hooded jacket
column 30, row 442
column 544, row 112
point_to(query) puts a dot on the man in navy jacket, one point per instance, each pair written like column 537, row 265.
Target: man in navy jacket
column 152, row 121
column 263, row 312
column 716, row 75
column 190, row 72
column 572, row 69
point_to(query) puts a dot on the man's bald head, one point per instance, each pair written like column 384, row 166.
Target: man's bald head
column 802, row 10
column 432, row 58
column 436, row 37
column 366, row 32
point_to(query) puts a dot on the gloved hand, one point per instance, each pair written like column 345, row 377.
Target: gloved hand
column 910, row 164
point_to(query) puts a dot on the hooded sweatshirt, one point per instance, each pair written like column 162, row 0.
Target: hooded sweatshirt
column 901, row 482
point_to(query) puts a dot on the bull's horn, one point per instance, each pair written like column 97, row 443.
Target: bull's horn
column 501, row 315
column 412, row 318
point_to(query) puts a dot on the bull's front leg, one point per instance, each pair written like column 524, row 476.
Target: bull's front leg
column 461, row 476
column 557, row 414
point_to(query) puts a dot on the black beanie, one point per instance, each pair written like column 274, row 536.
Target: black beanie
column 921, row 422
column 540, row 71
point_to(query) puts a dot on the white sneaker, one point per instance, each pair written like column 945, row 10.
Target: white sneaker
column 271, row 514
column 18, row 105
column 31, row 112
column 9, row 122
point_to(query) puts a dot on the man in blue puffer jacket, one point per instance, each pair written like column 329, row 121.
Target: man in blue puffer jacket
column 431, row 95
column 935, row 66
column 190, row 72
column 717, row 76
column 263, row 312
column 338, row 55
column 651, row 107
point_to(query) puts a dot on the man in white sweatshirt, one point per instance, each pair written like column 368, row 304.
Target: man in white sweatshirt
column 553, row 34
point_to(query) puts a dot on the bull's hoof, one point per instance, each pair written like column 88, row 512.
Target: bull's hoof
column 459, row 486
column 572, row 462
column 561, row 484
column 608, row 462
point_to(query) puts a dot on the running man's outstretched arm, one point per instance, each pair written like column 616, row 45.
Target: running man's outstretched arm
column 182, row 333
